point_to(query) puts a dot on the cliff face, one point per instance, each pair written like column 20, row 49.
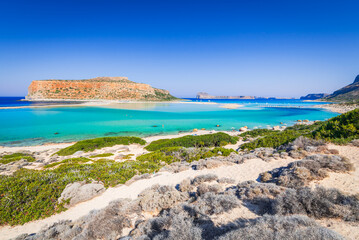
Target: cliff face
column 106, row 88
column 314, row 96
column 347, row 93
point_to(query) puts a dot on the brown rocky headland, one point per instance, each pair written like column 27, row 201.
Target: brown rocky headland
column 100, row 88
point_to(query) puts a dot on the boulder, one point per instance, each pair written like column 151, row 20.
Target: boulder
column 80, row 191
column 276, row 128
column 243, row 129
column 78, row 153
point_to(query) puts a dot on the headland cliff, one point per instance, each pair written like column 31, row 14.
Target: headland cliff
column 100, row 88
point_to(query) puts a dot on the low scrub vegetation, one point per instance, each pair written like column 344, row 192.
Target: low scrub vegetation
column 159, row 197
column 178, row 154
column 260, row 132
column 79, row 160
column 102, row 155
column 8, row 158
column 98, row 143
column 300, row 173
column 341, row 130
column 207, row 140
column 30, row 194
column 278, row 138
column 318, row 203
column 182, row 215
column 278, row 227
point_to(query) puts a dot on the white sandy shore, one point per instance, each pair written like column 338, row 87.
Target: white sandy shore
column 231, row 106
column 249, row 170
column 98, row 103
column 149, row 139
column 337, row 107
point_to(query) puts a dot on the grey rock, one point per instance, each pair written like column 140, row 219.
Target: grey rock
column 355, row 142
column 78, row 153
column 80, row 191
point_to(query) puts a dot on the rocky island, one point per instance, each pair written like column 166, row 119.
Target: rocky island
column 100, row 88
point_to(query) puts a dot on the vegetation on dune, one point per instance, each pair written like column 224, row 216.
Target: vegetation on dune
column 69, row 161
column 276, row 139
column 97, row 143
column 317, row 203
column 30, row 194
column 341, row 129
column 207, row 140
column 300, row 173
column 16, row 157
column 176, row 154
column 258, row 132
column 102, row 155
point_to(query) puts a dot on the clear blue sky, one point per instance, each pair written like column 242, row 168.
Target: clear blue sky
column 263, row 48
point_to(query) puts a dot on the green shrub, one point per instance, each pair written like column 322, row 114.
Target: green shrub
column 28, row 195
column 257, row 132
column 102, row 155
column 207, row 140
column 97, row 143
column 341, row 129
column 273, row 140
column 176, row 154
column 16, row 157
column 69, row 161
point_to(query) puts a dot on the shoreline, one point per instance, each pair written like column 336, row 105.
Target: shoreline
column 148, row 139
column 337, row 107
column 98, row 103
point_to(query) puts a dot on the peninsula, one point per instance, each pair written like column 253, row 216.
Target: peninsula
column 100, row 88
column 204, row 95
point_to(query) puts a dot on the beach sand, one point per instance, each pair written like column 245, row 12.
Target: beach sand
column 338, row 108
column 230, row 106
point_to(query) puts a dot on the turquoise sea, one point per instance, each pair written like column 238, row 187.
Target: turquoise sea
column 34, row 126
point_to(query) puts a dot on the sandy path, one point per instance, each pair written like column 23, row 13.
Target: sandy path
column 249, row 170
column 37, row 148
column 348, row 183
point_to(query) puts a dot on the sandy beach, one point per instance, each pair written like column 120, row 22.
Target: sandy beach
column 337, row 107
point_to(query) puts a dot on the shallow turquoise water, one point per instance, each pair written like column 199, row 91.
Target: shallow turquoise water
column 33, row 126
